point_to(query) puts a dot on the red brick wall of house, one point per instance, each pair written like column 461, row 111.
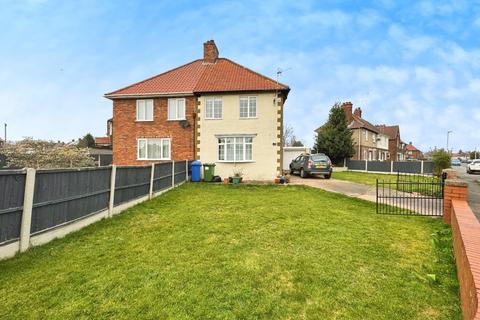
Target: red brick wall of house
column 126, row 130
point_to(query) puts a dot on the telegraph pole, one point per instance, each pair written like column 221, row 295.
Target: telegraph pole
column 448, row 138
column 5, row 133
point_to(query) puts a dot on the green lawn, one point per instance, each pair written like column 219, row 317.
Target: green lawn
column 371, row 179
column 240, row 252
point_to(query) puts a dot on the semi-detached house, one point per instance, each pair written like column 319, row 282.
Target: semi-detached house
column 210, row 109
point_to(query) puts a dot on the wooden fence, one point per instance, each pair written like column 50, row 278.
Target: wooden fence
column 37, row 206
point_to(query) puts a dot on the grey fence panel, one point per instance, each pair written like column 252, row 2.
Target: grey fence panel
column 12, row 186
column 379, row 166
column 131, row 183
column 407, row 167
column 428, row 167
column 356, row 164
column 162, row 178
column 68, row 194
column 180, row 171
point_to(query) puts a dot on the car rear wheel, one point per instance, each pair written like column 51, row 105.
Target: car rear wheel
column 327, row 176
column 303, row 174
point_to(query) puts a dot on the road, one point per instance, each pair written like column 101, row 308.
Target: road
column 473, row 188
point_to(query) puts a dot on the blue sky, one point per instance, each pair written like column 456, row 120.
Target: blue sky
column 414, row 64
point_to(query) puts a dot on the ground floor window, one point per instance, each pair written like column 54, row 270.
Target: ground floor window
column 153, row 149
column 235, row 149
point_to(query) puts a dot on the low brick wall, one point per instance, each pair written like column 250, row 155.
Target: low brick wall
column 466, row 247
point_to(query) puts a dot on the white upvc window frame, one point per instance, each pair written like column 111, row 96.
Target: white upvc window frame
column 173, row 103
column 223, row 145
column 145, row 106
column 161, row 142
column 214, row 115
column 250, row 114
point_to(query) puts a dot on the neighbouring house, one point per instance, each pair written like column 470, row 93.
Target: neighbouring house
column 103, row 142
column 396, row 146
column 412, row 153
column 210, row 109
column 369, row 143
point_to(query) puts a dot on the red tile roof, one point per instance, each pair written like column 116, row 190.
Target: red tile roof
column 198, row 77
column 391, row 131
column 410, row 147
column 103, row 140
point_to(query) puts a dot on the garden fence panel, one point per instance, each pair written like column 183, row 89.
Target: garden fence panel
column 180, row 171
column 379, row 166
column 356, row 164
column 66, row 195
column 162, row 178
column 12, row 186
column 428, row 167
column 131, row 183
column 407, row 167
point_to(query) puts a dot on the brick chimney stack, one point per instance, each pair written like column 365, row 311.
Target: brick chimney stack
column 358, row 112
column 210, row 52
column 347, row 108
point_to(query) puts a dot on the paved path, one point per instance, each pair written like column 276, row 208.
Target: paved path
column 366, row 192
column 473, row 188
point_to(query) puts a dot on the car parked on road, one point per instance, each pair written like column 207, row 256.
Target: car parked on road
column 456, row 162
column 312, row 164
column 474, row 166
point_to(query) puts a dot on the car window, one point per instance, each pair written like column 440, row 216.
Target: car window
column 319, row 157
column 297, row 159
column 476, row 161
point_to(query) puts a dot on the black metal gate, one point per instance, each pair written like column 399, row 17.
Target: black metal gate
column 410, row 195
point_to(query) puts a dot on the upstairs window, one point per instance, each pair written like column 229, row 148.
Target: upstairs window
column 153, row 149
column 213, row 108
column 145, row 110
column 248, row 107
column 176, row 109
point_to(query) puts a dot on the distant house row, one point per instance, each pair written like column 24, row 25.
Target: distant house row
column 377, row 142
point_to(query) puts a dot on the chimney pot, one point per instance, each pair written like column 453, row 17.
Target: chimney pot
column 210, row 52
column 358, row 112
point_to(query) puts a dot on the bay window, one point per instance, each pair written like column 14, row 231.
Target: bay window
column 235, row 149
column 153, row 149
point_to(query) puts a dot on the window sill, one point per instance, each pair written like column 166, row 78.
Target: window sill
column 144, row 120
column 153, row 159
column 248, row 118
column 213, row 118
column 230, row 161
column 177, row 119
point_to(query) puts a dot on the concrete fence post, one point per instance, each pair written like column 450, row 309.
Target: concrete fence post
column 344, row 162
column 173, row 173
column 111, row 200
column 27, row 209
column 421, row 167
column 366, row 165
column 186, row 170
column 152, row 174
column 391, row 166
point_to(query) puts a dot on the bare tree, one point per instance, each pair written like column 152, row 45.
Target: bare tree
column 289, row 138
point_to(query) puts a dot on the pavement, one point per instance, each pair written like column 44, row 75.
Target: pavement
column 473, row 188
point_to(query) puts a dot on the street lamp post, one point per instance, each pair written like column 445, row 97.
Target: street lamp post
column 448, row 139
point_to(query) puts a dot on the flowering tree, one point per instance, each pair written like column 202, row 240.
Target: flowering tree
column 45, row 154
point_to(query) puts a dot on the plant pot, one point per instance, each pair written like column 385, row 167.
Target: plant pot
column 236, row 180
column 226, row 180
column 277, row 180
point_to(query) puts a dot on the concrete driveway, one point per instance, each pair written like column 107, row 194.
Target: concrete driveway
column 473, row 188
column 348, row 188
column 420, row 205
